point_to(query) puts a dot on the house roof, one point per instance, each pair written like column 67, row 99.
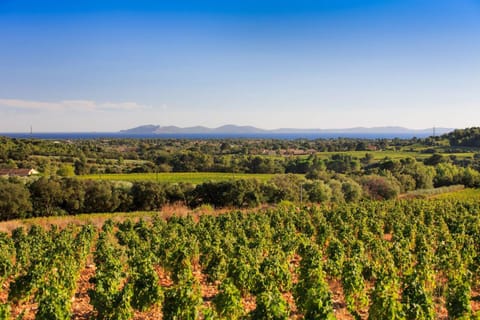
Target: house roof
column 17, row 172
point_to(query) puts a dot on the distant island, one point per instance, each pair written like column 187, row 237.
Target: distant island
column 235, row 131
column 249, row 130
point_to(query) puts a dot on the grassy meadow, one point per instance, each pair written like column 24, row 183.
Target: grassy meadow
column 395, row 155
column 177, row 177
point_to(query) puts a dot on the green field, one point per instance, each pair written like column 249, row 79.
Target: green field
column 176, row 177
column 462, row 195
column 379, row 155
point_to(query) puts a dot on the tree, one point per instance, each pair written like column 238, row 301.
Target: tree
column 423, row 175
column 100, row 196
column 66, row 171
column 80, row 166
column 337, row 193
column 434, row 159
column 471, row 177
column 244, row 193
column 343, row 163
column 378, row 187
column 73, row 195
column 352, row 191
column 148, row 196
column 318, row 191
column 367, row 159
column 288, row 186
column 447, row 174
column 14, row 200
column 47, row 195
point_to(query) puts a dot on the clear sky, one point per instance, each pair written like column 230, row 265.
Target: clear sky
column 106, row 65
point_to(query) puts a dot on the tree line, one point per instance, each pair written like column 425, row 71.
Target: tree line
column 54, row 195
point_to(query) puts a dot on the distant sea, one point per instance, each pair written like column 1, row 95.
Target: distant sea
column 286, row 136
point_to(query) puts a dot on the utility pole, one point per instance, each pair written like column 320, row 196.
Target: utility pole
column 301, row 193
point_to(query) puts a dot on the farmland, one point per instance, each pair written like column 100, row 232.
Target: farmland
column 177, row 177
column 408, row 259
column 416, row 153
column 466, row 194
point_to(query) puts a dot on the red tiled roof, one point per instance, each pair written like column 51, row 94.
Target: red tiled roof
column 15, row 172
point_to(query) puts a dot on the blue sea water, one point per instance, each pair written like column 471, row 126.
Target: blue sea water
column 287, row 136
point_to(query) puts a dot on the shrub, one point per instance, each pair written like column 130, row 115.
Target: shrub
column 379, row 188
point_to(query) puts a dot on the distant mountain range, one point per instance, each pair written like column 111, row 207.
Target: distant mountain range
column 234, row 129
column 227, row 129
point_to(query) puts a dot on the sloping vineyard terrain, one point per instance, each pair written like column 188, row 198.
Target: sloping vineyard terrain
column 416, row 259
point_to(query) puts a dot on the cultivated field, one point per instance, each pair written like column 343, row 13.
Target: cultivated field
column 375, row 260
column 177, row 177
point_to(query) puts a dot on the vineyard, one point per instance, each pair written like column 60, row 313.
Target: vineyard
column 416, row 259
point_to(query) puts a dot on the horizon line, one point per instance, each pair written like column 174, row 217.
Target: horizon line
column 32, row 131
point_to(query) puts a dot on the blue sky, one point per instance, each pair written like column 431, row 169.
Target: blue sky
column 109, row 65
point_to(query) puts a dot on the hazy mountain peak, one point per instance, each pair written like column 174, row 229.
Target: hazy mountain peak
column 236, row 129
